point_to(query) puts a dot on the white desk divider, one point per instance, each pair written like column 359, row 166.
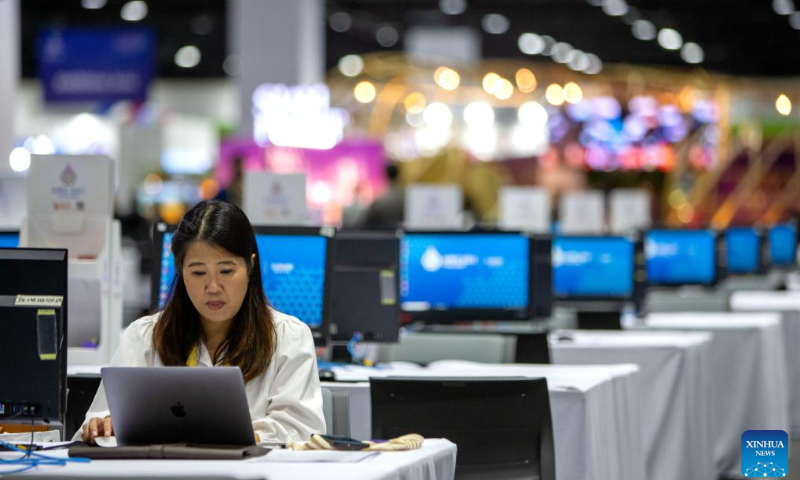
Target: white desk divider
column 275, row 198
column 582, row 212
column 12, row 202
column 524, row 208
column 433, row 207
column 630, row 210
column 70, row 205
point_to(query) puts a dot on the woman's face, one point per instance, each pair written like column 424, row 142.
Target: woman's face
column 216, row 281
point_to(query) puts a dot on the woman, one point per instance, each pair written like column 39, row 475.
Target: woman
column 218, row 315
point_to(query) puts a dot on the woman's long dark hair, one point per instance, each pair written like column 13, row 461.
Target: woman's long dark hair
column 250, row 343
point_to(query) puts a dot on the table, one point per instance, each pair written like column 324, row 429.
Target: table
column 674, row 401
column 788, row 304
column 748, row 376
column 436, row 460
column 594, row 426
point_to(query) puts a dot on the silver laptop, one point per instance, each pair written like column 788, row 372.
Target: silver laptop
column 178, row 404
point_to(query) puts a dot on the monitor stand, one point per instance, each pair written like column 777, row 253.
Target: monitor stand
column 599, row 320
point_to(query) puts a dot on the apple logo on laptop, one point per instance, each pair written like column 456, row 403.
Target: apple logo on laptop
column 178, row 410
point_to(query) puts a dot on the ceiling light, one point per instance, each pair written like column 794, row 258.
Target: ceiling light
column 495, row 23
column 447, row 78
column 555, row 94
column 187, row 57
column 643, row 30
column 134, row 11
column 561, row 52
column 364, row 92
column 93, row 4
column 692, row 53
column 340, row 22
column 615, row 8
column 783, row 105
column 526, row 80
column 387, row 36
column 453, row 7
column 794, row 20
column 783, row 7
column 351, row 65
column 595, row 65
column 670, row 39
column 531, row 44
column 479, row 114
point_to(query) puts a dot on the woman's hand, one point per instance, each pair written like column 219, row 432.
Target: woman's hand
column 97, row 427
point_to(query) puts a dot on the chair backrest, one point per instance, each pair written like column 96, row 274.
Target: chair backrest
column 336, row 410
column 424, row 348
column 502, row 426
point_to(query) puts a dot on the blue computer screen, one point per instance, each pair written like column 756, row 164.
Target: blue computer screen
column 743, row 249
column 783, row 244
column 464, row 271
column 9, row 240
column 292, row 272
column 676, row 257
column 593, row 267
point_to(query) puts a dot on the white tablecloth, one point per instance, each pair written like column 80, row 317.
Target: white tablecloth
column 594, row 426
column 748, row 376
column 673, row 393
column 436, row 460
column 788, row 304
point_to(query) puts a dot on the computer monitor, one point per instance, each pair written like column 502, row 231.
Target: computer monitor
column 9, row 239
column 33, row 322
column 295, row 268
column 783, row 245
column 682, row 257
column 744, row 248
column 595, row 268
column 365, row 288
column 452, row 276
column 502, row 426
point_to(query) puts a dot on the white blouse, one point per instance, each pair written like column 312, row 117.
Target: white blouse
column 285, row 401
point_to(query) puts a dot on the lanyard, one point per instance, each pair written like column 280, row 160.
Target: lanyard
column 192, row 360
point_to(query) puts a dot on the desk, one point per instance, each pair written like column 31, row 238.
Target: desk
column 672, row 393
column 788, row 304
column 436, row 460
column 593, row 430
column 747, row 360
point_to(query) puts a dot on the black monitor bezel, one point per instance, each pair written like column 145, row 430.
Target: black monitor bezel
column 446, row 316
column 718, row 256
column 366, row 235
column 319, row 333
column 62, row 351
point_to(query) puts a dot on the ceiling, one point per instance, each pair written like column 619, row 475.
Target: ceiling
column 744, row 37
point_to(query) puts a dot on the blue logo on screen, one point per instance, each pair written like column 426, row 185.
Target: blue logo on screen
column 765, row 453
column 742, row 250
column 680, row 257
column 292, row 272
column 593, row 267
column 9, row 240
column 470, row 271
column 783, row 244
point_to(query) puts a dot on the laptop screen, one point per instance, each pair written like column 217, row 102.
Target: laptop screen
column 9, row 240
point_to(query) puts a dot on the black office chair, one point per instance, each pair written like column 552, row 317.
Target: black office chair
column 502, row 426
